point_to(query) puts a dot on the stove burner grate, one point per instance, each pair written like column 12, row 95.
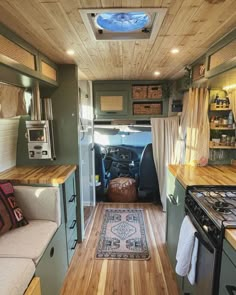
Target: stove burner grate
column 222, row 207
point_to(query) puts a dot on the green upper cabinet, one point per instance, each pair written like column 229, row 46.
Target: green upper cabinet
column 132, row 100
column 112, row 103
column 24, row 63
column 221, row 56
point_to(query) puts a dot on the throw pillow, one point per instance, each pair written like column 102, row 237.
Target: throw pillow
column 11, row 215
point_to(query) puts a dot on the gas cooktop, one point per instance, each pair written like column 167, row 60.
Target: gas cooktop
column 218, row 202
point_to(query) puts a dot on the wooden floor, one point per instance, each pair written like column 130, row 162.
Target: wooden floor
column 88, row 211
column 90, row 276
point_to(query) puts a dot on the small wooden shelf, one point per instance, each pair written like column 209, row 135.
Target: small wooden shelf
column 215, row 107
column 221, row 128
column 220, row 146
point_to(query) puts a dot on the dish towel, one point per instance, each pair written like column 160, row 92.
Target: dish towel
column 187, row 249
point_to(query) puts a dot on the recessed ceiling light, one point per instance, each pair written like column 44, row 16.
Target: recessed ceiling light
column 157, row 73
column 70, row 52
column 174, row 50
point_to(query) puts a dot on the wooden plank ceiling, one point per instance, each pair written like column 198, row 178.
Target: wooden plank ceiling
column 53, row 26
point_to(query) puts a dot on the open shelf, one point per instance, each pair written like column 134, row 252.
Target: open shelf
column 215, row 107
column 221, row 127
column 220, row 146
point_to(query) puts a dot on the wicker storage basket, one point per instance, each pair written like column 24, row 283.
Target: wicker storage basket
column 155, row 91
column 139, row 92
column 147, row 108
column 122, row 189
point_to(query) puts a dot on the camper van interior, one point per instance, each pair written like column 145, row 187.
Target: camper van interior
column 117, row 147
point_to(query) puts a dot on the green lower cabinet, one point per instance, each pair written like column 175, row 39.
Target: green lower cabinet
column 53, row 264
column 70, row 203
column 228, row 271
column 175, row 216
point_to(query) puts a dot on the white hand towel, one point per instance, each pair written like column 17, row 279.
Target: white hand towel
column 185, row 247
column 192, row 271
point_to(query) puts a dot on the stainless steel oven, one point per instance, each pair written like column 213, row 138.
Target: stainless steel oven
column 211, row 210
column 208, row 262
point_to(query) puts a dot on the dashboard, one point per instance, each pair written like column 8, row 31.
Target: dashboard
column 121, row 154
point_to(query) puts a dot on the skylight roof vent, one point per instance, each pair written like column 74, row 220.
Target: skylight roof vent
column 123, row 24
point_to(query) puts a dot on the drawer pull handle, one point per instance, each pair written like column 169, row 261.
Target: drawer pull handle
column 72, row 224
column 172, row 199
column 73, row 247
column 72, row 198
column 52, row 252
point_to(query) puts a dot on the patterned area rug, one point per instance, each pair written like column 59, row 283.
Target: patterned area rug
column 123, row 235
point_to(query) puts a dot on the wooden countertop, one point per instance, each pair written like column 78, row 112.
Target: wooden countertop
column 53, row 175
column 207, row 175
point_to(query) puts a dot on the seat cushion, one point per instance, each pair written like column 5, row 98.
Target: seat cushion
column 28, row 241
column 11, row 215
column 15, row 275
column 39, row 202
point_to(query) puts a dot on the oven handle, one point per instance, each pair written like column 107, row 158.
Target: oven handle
column 230, row 289
column 202, row 241
column 172, row 199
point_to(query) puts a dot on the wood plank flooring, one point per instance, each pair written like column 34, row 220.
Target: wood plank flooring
column 90, row 276
column 88, row 212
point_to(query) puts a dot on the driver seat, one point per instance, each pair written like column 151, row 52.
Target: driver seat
column 148, row 187
column 100, row 170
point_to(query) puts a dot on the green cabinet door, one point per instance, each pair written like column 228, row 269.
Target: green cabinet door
column 53, row 264
column 111, row 104
column 228, row 271
column 70, row 202
column 175, row 216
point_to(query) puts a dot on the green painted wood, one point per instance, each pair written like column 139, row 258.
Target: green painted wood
column 175, row 216
column 115, row 87
column 228, row 270
column 230, row 252
column 114, row 114
column 70, row 211
column 52, row 268
column 65, row 113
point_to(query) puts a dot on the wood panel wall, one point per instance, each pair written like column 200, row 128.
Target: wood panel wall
column 8, row 142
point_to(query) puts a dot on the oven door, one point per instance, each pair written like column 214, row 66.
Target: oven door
column 207, row 269
column 37, row 134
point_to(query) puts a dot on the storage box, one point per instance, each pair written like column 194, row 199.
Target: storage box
column 147, row 108
column 155, row 91
column 139, row 92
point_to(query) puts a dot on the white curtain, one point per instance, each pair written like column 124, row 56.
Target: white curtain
column 232, row 97
column 180, row 145
column 197, row 127
column 164, row 139
column 12, row 101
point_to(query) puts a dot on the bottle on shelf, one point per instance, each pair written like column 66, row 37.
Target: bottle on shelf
column 217, row 99
column 227, row 101
column 230, row 119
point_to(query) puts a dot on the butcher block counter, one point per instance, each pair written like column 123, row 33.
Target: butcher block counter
column 208, row 175
column 52, row 175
